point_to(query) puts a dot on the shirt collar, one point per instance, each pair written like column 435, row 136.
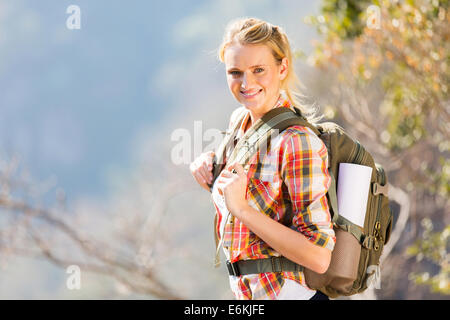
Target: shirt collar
column 281, row 102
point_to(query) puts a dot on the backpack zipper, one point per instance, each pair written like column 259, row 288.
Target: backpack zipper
column 359, row 153
column 377, row 221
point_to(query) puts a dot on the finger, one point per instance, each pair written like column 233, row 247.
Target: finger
column 200, row 179
column 208, row 155
column 204, row 173
column 196, row 164
column 196, row 172
column 207, row 159
column 220, row 186
column 211, row 160
column 193, row 167
column 207, row 172
column 226, row 173
column 224, row 180
column 238, row 167
column 229, row 172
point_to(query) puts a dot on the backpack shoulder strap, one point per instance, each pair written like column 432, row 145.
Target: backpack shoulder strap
column 272, row 123
column 302, row 121
column 218, row 161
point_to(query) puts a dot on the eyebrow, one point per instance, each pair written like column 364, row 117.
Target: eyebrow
column 255, row 66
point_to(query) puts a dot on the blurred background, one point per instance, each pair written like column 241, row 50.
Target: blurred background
column 88, row 109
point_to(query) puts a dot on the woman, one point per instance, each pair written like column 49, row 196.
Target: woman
column 279, row 206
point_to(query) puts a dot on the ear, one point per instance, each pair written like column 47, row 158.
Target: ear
column 284, row 68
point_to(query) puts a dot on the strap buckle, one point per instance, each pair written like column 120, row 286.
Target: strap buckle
column 379, row 189
column 233, row 269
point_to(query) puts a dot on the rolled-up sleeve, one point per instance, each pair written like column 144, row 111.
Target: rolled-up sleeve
column 304, row 170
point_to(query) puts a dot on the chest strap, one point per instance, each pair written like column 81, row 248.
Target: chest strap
column 273, row 264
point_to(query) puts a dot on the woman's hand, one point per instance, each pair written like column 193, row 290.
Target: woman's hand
column 234, row 188
column 201, row 169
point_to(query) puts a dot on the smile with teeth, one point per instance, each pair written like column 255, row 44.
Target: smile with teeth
column 250, row 94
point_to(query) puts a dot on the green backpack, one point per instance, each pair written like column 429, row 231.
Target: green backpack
column 369, row 241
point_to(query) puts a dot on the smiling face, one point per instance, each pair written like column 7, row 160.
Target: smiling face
column 254, row 76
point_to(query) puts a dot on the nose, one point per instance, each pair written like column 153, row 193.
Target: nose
column 247, row 81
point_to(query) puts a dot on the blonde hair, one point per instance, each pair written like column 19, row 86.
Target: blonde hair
column 255, row 31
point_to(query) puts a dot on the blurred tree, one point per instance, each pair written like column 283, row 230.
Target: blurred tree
column 387, row 79
column 130, row 244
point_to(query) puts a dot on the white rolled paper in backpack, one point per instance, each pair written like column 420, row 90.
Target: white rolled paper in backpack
column 353, row 191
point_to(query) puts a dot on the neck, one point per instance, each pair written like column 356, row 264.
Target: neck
column 256, row 115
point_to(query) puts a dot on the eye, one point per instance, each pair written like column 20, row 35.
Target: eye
column 258, row 70
column 234, row 73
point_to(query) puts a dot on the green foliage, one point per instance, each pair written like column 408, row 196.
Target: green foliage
column 344, row 17
column 433, row 247
column 408, row 53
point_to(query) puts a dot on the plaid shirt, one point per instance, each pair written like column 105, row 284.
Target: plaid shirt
column 291, row 176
